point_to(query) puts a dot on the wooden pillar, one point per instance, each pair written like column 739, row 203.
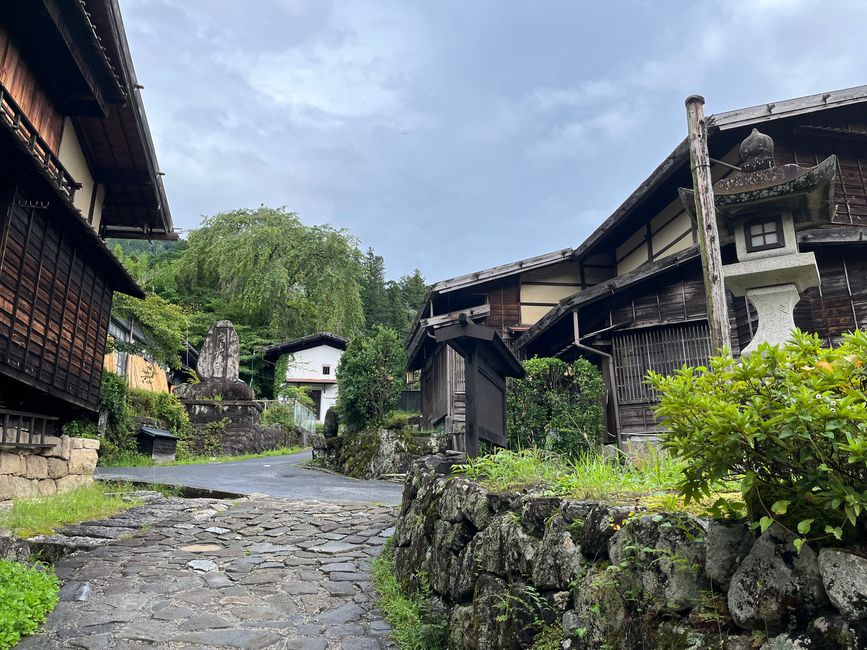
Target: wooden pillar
column 708, row 234
column 471, row 429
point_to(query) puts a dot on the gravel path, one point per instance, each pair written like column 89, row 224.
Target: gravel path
column 277, row 476
column 202, row 573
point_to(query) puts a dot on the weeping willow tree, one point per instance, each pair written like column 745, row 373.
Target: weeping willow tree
column 270, row 270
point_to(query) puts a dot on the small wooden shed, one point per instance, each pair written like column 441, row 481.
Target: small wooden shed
column 158, row 444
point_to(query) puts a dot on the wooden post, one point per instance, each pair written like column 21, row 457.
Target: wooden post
column 708, row 235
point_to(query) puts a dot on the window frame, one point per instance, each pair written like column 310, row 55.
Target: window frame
column 777, row 220
column 326, row 369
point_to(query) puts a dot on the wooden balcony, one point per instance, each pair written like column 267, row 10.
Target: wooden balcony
column 19, row 430
column 14, row 119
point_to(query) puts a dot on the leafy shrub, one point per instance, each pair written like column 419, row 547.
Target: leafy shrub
column 558, row 406
column 165, row 408
column 27, row 594
column 398, row 420
column 112, row 401
column 279, row 413
column 788, row 422
column 370, row 376
column 81, row 428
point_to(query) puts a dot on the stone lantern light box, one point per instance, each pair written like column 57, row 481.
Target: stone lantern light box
column 762, row 207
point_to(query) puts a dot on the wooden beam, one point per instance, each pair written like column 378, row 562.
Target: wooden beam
column 714, row 285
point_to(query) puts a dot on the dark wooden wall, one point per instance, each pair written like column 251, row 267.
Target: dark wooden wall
column 18, row 79
column 54, row 305
column 504, row 297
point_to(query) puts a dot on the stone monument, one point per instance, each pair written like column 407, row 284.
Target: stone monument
column 222, row 408
column 217, row 367
column 761, row 207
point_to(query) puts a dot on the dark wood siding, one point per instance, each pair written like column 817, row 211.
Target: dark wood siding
column 54, row 306
column 504, row 297
column 19, row 80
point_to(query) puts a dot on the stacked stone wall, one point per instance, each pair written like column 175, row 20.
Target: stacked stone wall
column 505, row 568
column 232, row 427
column 67, row 464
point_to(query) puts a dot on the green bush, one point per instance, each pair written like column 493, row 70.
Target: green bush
column 788, row 422
column 118, row 436
column 27, row 594
column 165, row 408
column 558, row 406
column 279, row 413
column 370, row 377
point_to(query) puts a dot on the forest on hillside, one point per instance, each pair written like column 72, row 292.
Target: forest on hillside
column 274, row 277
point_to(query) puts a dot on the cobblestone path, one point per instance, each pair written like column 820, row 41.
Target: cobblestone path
column 260, row 573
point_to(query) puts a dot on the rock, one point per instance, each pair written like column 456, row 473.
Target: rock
column 54, row 441
column 464, row 500
column 461, row 627
column 727, row 545
column 37, row 466
column 559, row 558
column 600, row 525
column 205, row 566
column 85, row 443
column 600, row 614
column 666, row 554
column 11, row 463
column 837, row 632
column 332, row 423
column 72, row 481
column 505, row 549
column 491, row 630
column 575, row 512
column 775, row 584
column 46, row 487
column 57, row 467
column 82, row 461
column 789, row 642
column 15, row 487
column 448, row 540
column 13, row 549
column 844, row 577
column 536, row 511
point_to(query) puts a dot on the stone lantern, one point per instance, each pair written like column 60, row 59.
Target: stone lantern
column 761, row 208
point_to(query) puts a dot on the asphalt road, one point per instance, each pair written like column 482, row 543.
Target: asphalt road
column 278, row 476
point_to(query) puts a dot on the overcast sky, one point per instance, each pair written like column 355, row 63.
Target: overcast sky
column 454, row 135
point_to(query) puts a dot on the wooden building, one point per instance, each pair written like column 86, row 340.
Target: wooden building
column 639, row 302
column 77, row 164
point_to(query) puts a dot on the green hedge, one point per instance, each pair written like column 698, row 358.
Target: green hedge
column 27, row 595
column 558, row 406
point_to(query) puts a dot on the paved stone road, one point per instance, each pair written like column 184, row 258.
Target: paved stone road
column 278, row 476
column 259, row 573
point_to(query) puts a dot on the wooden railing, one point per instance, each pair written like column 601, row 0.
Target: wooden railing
column 14, row 117
column 25, row 430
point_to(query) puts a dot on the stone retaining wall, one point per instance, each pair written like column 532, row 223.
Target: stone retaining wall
column 67, row 464
column 504, row 568
column 374, row 454
column 232, row 427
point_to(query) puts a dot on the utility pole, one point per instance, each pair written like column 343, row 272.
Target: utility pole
column 708, row 234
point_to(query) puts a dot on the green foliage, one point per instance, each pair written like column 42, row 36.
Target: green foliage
column 27, row 595
column 558, row 406
column 279, row 413
column 81, row 428
column 415, row 627
column 290, row 391
column 789, row 423
column 42, row 516
column 265, row 268
column 391, row 304
column 112, row 402
column 398, row 420
column 370, row 377
column 588, row 477
column 164, row 324
column 166, row 408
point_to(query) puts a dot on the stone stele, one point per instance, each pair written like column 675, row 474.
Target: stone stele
column 221, row 353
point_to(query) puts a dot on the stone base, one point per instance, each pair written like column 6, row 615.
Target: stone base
column 68, row 464
column 775, row 307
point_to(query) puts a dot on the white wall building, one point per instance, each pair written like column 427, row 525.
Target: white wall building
column 312, row 365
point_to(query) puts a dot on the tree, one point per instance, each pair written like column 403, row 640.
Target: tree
column 370, row 376
column 373, row 291
column 266, row 269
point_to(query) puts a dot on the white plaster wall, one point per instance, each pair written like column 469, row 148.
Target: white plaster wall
column 307, row 364
column 72, row 157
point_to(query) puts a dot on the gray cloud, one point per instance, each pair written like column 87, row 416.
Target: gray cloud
column 455, row 135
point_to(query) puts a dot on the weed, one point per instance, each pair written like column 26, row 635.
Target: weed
column 414, row 628
column 42, row 516
column 27, row 594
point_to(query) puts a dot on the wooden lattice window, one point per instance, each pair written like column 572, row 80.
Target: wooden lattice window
column 661, row 349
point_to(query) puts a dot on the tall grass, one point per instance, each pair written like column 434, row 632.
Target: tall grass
column 406, row 613
column 589, row 477
column 136, row 459
column 42, row 516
